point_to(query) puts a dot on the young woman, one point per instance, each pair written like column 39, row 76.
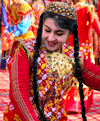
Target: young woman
column 38, row 6
column 41, row 71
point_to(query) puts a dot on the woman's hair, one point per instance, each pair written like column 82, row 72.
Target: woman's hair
column 72, row 27
column 60, row 22
column 78, row 69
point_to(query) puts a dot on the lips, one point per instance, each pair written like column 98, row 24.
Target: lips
column 51, row 44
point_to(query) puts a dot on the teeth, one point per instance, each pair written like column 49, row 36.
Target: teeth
column 51, row 43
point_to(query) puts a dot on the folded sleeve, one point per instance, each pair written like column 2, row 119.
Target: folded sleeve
column 19, row 93
column 91, row 75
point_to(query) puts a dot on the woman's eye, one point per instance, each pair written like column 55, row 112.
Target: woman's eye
column 59, row 34
column 47, row 30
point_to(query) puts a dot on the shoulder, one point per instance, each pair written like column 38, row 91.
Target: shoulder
column 26, row 45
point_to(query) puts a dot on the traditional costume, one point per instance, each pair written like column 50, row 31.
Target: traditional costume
column 55, row 72
column 21, row 19
column 5, row 22
column 38, row 7
column 87, row 19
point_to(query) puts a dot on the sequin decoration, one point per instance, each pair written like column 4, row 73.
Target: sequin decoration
column 62, row 9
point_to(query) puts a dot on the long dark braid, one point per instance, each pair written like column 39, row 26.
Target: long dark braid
column 78, row 69
column 35, row 88
column 44, row 3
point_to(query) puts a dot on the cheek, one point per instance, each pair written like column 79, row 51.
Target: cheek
column 63, row 40
column 44, row 34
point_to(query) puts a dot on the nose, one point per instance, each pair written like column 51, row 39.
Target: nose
column 51, row 37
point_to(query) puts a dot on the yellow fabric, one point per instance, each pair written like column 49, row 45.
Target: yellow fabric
column 24, row 8
column 25, row 36
column 18, row 12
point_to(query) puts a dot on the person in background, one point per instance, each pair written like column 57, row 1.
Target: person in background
column 42, row 71
column 38, row 7
column 21, row 18
column 0, row 24
column 85, row 25
column 97, row 54
column 3, row 27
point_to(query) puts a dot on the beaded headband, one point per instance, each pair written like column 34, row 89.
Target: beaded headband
column 62, row 9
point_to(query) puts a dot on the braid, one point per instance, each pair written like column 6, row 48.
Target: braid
column 35, row 88
column 44, row 3
column 78, row 70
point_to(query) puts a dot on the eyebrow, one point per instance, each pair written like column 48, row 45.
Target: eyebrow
column 56, row 30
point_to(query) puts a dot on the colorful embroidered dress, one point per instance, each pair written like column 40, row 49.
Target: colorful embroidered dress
column 50, row 97
column 51, row 87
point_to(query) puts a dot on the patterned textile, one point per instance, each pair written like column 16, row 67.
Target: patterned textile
column 51, row 91
column 88, row 21
column 17, row 13
column 38, row 8
column 92, row 114
column 50, row 96
column 62, row 9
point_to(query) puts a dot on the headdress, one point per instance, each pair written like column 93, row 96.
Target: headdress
column 62, row 9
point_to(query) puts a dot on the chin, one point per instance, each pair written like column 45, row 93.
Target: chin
column 50, row 49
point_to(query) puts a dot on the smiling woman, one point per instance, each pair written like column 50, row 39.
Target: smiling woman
column 53, row 36
column 43, row 70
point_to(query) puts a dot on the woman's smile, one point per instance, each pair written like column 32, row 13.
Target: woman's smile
column 53, row 36
column 51, row 43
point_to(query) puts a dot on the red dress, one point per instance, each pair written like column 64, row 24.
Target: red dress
column 51, row 91
column 87, row 19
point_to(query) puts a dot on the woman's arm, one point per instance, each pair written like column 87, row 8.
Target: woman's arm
column 91, row 75
column 19, row 93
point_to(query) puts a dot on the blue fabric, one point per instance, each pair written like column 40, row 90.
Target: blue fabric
column 10, row 29
column 4, row 14
column 23, row 26
column 3, row 63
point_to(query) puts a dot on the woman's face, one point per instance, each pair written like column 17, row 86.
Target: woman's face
column 53, row 36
